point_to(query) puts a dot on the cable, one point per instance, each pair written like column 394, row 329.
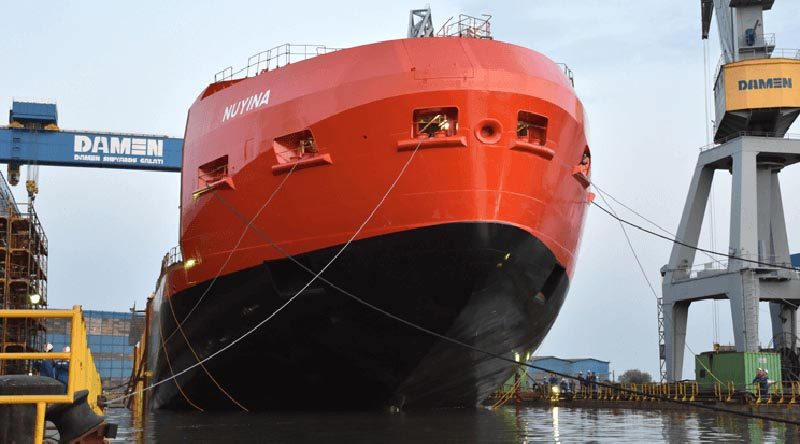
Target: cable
column 410, row 324
column 197, row 358
column 613, row 214
column 173, row 376
column 425, row 330
column 649, row 284
column 290, row 300
column 694, row 247
column 647, row 220
column 711, row 207
column 563, row 375
column 594, row 185
column 707, row 253
column 233, row 250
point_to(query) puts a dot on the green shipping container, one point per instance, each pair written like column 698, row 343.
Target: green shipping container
column 739, row 368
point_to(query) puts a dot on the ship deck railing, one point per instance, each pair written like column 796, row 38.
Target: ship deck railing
column 273, row 58
column 467, row 26
column 82, row 374
column 173, row 256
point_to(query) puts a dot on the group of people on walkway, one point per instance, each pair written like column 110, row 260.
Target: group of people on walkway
column 569, row 385
column 58, row 370
column 589, row 381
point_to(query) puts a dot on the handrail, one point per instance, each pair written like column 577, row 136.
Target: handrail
column 760, row 41
column 172, row 257
column 467, row 26
column 82, row 373
column 779, row 393
column 273, row 58
column 756, row 53
column 567, row 72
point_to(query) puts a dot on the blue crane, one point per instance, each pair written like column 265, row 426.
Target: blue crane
column 33, row 138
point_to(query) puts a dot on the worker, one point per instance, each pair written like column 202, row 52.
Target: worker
column 762, row 381
column 62, row 369
column 564, row 386
column 584, row 166
column 46, row 367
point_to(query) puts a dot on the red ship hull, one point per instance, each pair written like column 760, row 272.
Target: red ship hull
column 477, row 239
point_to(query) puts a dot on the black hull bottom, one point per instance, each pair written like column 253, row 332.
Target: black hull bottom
column 479, row 283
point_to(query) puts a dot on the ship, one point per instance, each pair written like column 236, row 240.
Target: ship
column 472, row 154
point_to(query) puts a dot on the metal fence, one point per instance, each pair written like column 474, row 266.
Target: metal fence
column 467, row 26
column 759, row 42
column 82, row 374
column 756, row 53
column 273, row 58
column 110, row 337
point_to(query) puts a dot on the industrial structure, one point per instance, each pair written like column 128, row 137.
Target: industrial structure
column 33, row 138
column 23, row 278
column 111, row 336
column 756, row 100
column 571, row 366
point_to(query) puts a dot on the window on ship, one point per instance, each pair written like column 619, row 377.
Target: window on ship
column 532, row 127
column 435, row 122
column 211, row 172
column 295, row 146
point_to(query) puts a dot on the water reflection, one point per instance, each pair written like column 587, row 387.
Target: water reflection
column 555, row 425
column 506, row 425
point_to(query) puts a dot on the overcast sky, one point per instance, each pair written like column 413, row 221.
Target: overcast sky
column 138, row 67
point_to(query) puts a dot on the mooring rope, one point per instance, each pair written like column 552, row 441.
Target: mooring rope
column 493, row 355
column 290, row 300
column 234, row 249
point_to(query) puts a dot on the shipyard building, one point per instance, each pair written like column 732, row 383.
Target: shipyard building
column 111, row 336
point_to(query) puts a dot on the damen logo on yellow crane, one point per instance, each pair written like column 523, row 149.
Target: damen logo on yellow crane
column 777, row 82
column 761, row 83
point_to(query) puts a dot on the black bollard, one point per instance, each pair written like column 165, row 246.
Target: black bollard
column 18, row 421
column 73, row 420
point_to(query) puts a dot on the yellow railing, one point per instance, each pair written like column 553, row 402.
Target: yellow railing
column 82, row 371
column 780, row 393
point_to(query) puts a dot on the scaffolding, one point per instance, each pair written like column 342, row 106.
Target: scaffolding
column 23, row 279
